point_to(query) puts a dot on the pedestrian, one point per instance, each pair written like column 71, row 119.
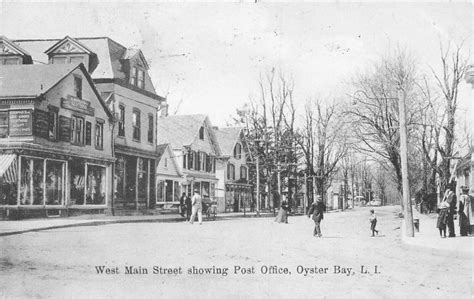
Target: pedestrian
column 196, row 202
column 450, row 198
column 464, row 206
column 282, row 216
column 182, row 205
column 317, row 210
column 188, row 203
column 442, row 218
column 373, row 222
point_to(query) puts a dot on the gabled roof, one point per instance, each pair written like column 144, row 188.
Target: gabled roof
column 132, row 53
column 182, row 130
column 9, row 46
column 227, row 138
column 70, row 40
column 161, row 149
column 31, row 80
column 34, row 80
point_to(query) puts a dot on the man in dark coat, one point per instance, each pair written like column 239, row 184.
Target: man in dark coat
column 450, row 198
column 189, row 206
column 182, row 205
column 317, row 210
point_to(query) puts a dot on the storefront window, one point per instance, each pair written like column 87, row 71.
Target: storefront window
column 31, row 192
column 142, row 178
column 160, row 185
column 96, row 181
column 197, row 187
column 55, row 182
column 169, row 190
column 77, row 170
column 205, row 189
column 8, row 184
column 177, row 191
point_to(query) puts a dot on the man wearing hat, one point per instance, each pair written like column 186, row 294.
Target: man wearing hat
column 196, row 202
column 317, row 209
column 464, row 205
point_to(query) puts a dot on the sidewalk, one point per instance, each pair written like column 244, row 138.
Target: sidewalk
column 13, row 227
column 429, row 239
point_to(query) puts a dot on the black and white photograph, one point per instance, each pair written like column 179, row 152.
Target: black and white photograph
column 236, row 149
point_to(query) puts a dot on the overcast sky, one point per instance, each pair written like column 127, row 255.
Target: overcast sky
column 209, row 56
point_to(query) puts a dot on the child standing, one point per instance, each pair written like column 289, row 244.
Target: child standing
column 442, row 218
column 373, row 222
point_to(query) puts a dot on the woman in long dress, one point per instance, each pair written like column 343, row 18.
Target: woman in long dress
column 282, row 216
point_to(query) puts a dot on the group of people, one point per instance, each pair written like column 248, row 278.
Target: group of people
column 192, row 206
column 447, row 210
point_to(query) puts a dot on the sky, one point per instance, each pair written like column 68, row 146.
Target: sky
column 207, row 57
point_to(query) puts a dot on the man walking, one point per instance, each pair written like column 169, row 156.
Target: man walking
column 317, row 209
column 197, row 207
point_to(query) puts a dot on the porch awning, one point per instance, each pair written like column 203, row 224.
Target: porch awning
column 8, row 168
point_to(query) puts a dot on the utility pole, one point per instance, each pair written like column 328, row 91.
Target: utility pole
column 258, row 184
column 408, row 213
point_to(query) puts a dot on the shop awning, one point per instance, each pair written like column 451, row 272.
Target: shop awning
column 8, row 168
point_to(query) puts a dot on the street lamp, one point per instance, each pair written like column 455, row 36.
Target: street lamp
column 407, row 209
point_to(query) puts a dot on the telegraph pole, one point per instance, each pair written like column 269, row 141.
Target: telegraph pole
column 258, row 185
column 408, row 213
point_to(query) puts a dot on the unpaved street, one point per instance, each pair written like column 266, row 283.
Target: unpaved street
column 244, row 258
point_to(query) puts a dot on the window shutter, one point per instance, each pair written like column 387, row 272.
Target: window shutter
column 88, row 133
column 64, row 128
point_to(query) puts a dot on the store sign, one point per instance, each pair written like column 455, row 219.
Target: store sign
column 20, row 122
column 41, row 123
column 78, row 105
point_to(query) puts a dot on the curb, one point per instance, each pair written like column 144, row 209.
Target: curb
column 123, row 221
column 414, row 242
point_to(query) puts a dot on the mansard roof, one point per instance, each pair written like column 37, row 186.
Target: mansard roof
column 110, row 54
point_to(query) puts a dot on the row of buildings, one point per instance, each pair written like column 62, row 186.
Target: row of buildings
column 83, row 130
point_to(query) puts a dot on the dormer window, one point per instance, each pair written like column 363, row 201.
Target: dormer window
column 238, row 151
column 137, row 77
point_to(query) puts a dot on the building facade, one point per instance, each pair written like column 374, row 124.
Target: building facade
column 120, row 76
column 55, row 142
column 232, row 170
column 195, row 149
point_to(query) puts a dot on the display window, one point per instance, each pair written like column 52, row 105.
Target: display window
column 55, row 182
column 31, row 181
column 95, row 185
column 77, row 171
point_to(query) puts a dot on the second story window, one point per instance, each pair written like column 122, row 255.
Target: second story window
column 201, row 133
column 243, row 172
column 150, row 128
column 121, row 121
column 78, row 87
column 77, row 130
column 53, row 124
column 3, row 124
column 136, row 124
column 99, row 134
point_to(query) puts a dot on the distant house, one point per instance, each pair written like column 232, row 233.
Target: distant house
column 55, row 143
column 169, row 178
column 195, row 149
column 232, row 169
